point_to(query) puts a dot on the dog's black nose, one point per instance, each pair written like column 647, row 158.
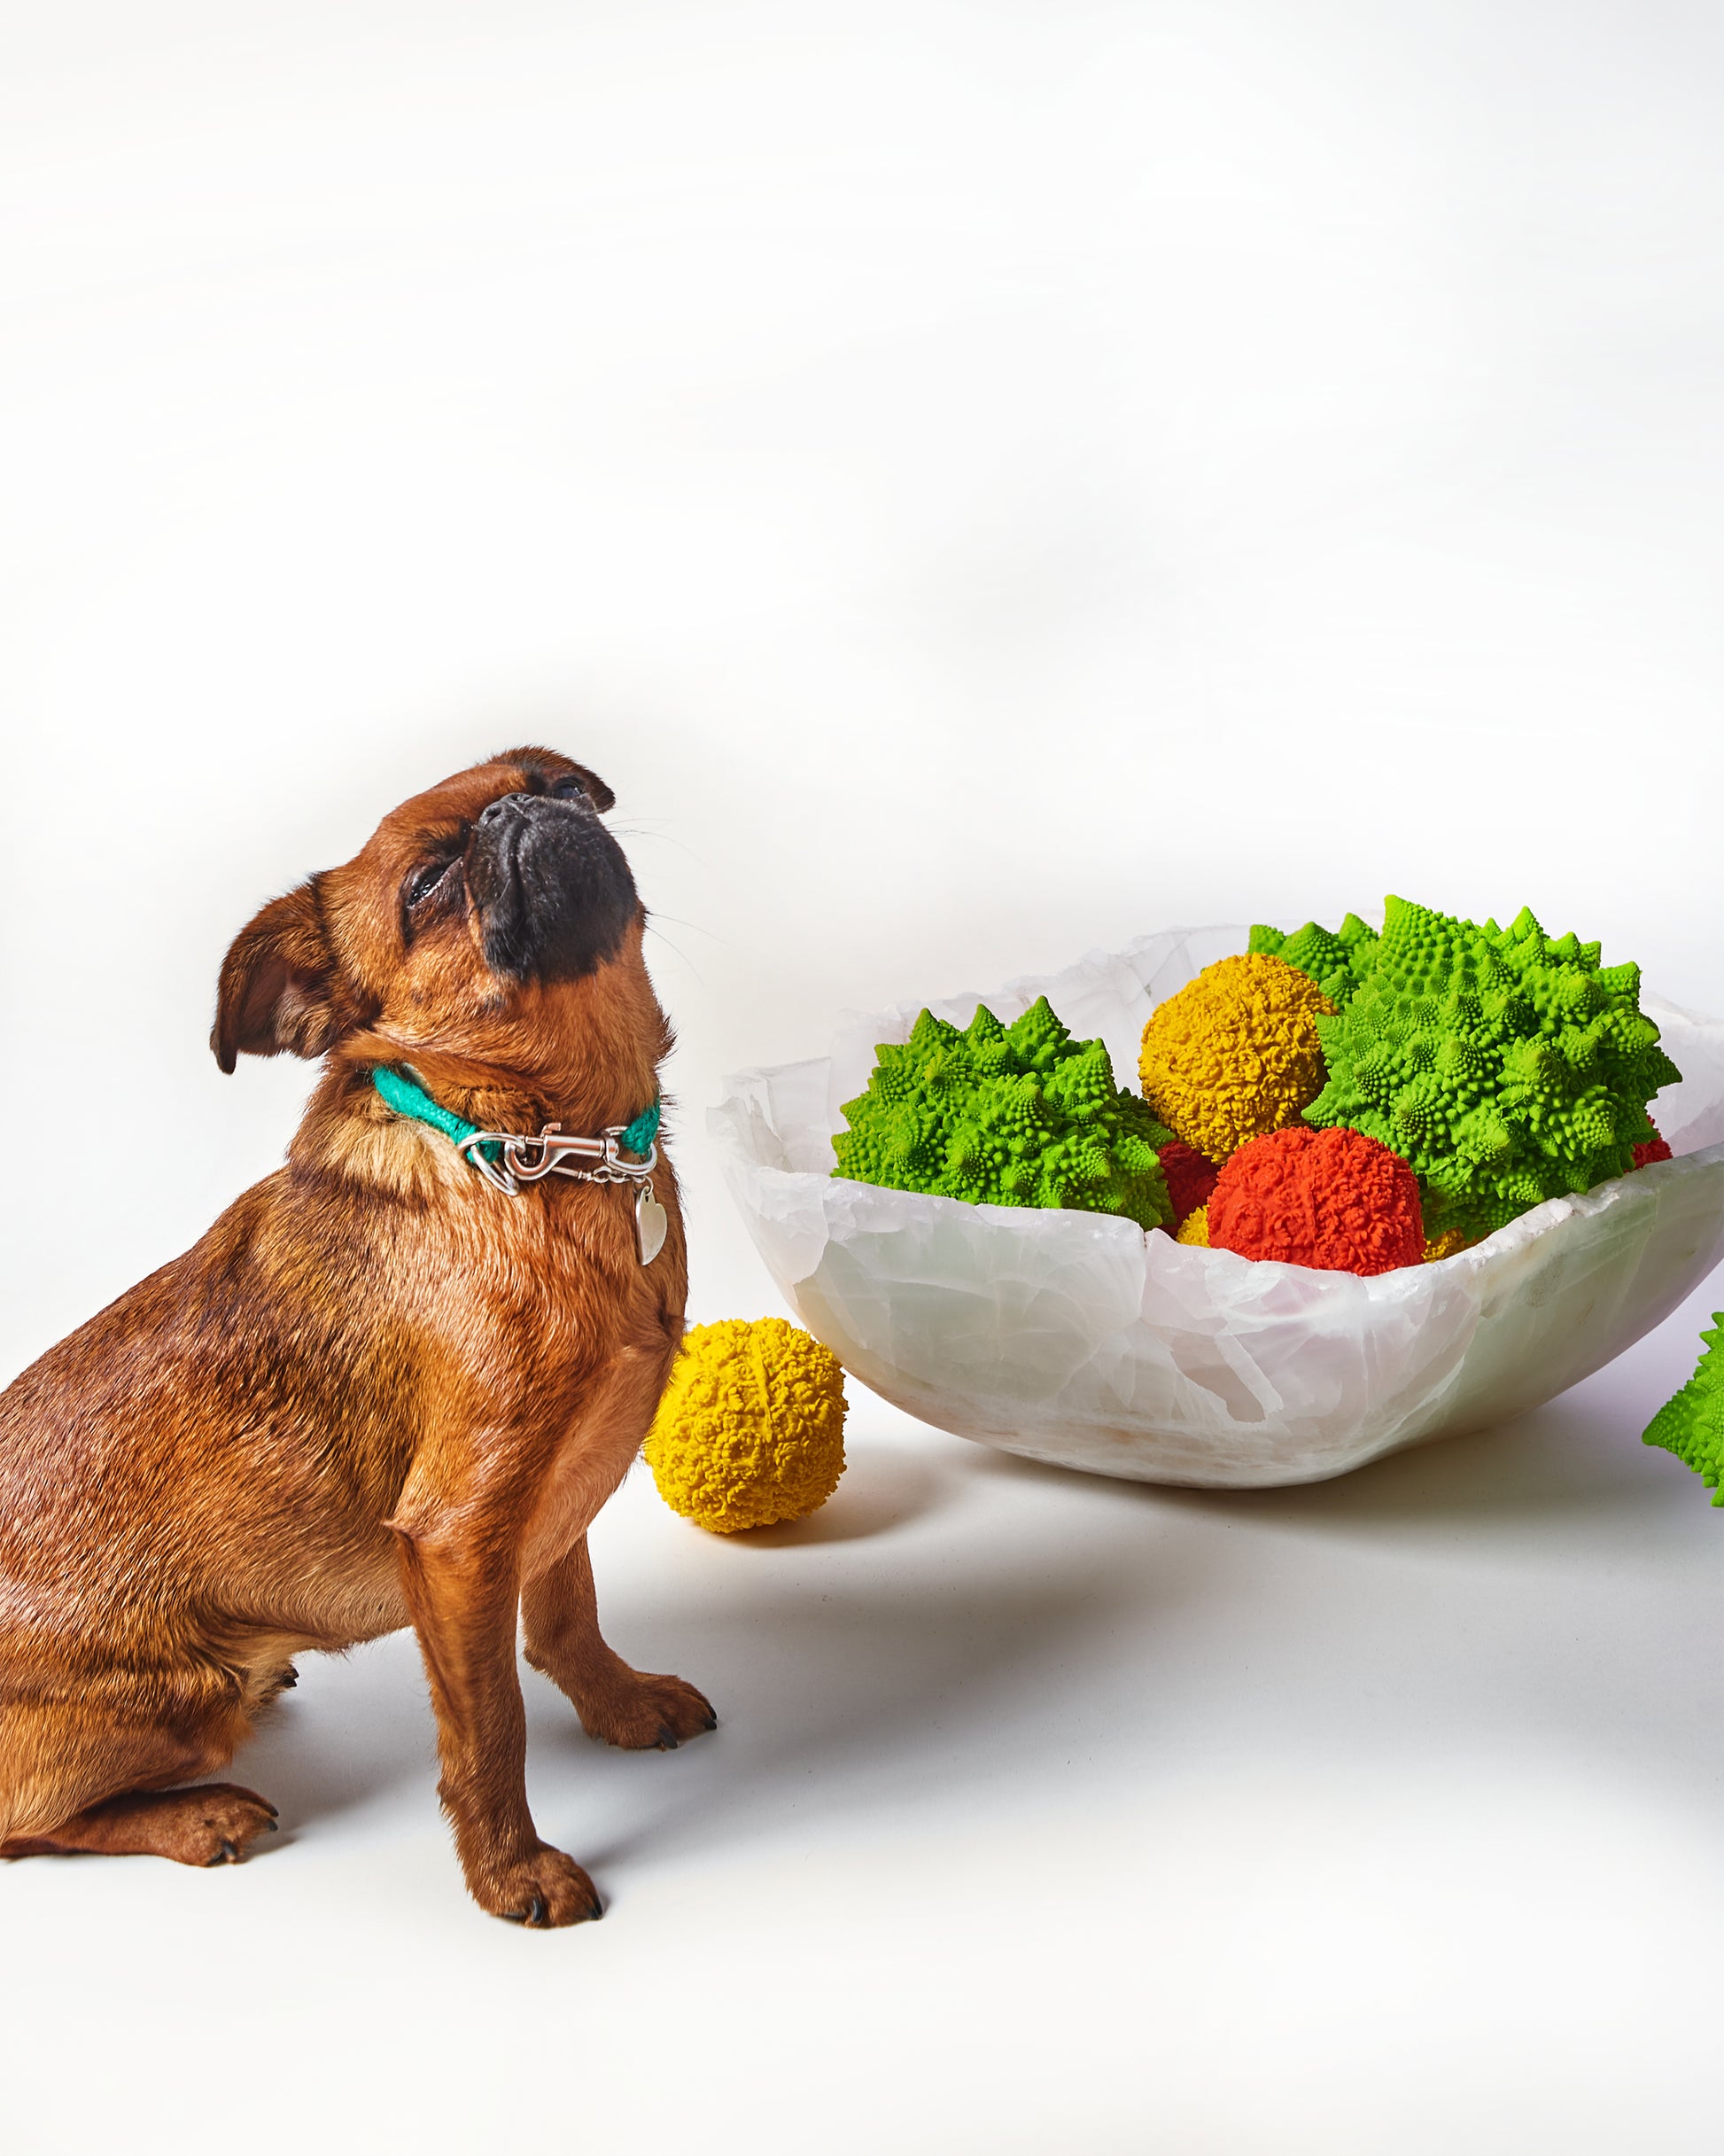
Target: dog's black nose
column 522, row 804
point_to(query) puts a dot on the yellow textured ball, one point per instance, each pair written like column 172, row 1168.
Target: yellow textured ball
column 1235, row 1054
column 752, row 1426
column 1194, row 1228
column 1446, row 1245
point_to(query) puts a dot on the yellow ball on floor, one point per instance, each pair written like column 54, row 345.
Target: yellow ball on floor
column 1194, row 1228
column 751, row 1429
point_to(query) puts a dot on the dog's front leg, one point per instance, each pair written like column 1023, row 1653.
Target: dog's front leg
column 460, row 1574
column 620, row 1705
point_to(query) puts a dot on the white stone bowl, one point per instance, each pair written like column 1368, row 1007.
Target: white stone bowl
column 1075, row 1338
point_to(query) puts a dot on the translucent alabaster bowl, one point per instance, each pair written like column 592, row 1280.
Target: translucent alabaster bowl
column 1075, row 1338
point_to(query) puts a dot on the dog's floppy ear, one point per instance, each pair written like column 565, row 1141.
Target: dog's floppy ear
column 277, row 984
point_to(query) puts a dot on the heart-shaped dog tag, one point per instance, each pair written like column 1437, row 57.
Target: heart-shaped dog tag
column 652, row 1224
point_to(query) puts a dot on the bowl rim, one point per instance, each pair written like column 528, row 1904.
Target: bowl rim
column 1535, row 1222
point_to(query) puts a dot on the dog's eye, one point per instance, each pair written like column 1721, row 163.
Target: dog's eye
column 568, row 788
column 424, row 881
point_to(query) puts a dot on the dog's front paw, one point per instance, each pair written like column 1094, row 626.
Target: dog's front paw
column 543, row 1890
column 643, row 1714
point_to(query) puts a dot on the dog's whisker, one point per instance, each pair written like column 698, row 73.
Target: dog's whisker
column 681, row 953
column 662, row 838
column 698, row 927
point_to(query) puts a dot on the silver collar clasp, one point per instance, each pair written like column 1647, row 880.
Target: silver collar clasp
column 529, row 1160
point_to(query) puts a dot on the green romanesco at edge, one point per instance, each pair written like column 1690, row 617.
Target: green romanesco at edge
column 1337, row 962
column 1505, row 1067
column 1691, row 1425
column 997, row 1115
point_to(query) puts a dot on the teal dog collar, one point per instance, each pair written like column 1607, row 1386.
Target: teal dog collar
column 509, row 1161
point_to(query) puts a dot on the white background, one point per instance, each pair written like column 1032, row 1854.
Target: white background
column 981, row 482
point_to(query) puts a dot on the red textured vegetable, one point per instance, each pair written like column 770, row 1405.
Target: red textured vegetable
column 1654, row 1149
column 1190, row 1178
column 1332, row 1199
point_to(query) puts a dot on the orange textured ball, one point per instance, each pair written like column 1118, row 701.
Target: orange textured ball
column 1334, row 1199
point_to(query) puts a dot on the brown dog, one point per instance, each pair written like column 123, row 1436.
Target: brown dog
column 382, row 1390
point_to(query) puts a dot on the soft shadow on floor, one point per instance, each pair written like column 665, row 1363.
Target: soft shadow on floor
column 358, row 1728
column 1572, row 1456
column 841, row 1681
column 860, row 1683
column 372, row 1731
column 880, row 1490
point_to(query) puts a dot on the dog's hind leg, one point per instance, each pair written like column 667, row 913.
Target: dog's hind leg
column 618, row 1705
column 79, row 1773
column 213, row 1824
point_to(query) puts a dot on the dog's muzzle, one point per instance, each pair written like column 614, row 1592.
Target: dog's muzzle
column 551, row 886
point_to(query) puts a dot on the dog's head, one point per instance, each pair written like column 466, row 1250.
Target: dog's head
column 469, row 906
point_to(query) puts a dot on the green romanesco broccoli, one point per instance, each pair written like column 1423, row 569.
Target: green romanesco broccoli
column 997, row 1115
column 1691, row 1424
column 1338, row 961
column 1505, row 1067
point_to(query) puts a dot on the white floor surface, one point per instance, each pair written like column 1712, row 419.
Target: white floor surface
column 1045, row 1813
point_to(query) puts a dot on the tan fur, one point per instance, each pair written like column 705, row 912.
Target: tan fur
column 378, row 1391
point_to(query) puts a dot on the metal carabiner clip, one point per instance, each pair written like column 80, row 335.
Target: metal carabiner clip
column 534, row 1158
column 496, row 1173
